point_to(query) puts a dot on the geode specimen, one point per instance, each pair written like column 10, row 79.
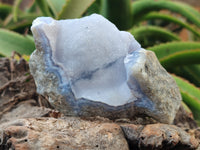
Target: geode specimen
column 87, row 67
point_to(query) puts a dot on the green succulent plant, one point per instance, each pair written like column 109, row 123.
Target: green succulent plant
column 155, row 24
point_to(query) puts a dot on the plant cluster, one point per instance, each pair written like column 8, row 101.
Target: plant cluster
column 156, row 24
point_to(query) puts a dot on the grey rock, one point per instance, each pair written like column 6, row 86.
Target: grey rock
column 20, row 111
column 87, row 67
column 159, row 137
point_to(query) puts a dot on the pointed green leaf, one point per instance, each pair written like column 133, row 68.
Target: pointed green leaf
column 149, row 35
column 186, row 57
column 193, row 103
column 142, row 7
column 20, row 27
column 169, row 18
column 43, row 7
column 5, row 10
column 74, row 8
column 166, row 49
column 186, row 86
column 11, row 41
column 190, row 9
column 56, row 6
column 118, row 12
column 15, row 9
column 190, row 95
column 94, row 8
column 189, row 72
column 24, row 22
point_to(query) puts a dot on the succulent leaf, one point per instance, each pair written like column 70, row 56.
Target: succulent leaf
column 74, row 8
column 56, row 6
column 120, row 17
column 189, row 72
column 11, row 41
column 190, row 95
column 166, row 49
column 142, row 7
column 43, row 7
column 15, row 9
column 169, row 18
column 181, row 58
column 146, row 34
column 5, row 10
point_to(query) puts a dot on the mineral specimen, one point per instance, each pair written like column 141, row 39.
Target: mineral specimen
column 87, row 67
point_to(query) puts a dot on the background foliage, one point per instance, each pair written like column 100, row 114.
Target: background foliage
column 157, row 25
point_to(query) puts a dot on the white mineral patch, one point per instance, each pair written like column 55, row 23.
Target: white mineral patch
column 92, row 55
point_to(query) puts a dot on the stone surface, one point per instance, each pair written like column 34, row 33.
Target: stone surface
column 87, row 67
column 66, row 134
column 159, row 137
column 73, row 133
column 26, row 109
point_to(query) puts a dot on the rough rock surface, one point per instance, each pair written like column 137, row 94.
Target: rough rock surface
column 158, row 136
column 103, row 74
column 66, row 134
column 73, row 133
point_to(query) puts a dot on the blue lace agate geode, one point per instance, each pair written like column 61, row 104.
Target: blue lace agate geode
column 87, row 67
